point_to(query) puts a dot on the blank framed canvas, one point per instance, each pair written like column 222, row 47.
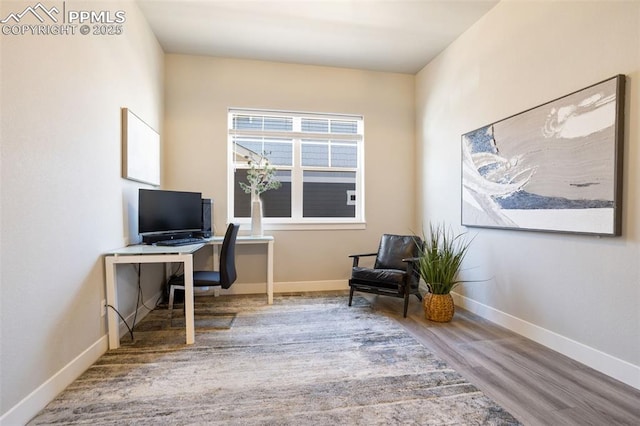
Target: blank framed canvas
column 140, row 150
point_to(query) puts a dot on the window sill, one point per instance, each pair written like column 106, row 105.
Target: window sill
column 246, row 226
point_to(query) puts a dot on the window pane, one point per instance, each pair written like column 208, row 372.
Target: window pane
column 283, row 124
column 315, row 125
column 329, row 194
column 275, row 203
column 314, row 154
column 247, row 122
column 257, row 122
column 279, row 151
column 246, row 147
column 344, row 126
column 344, row 156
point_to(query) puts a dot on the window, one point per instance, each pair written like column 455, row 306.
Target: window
column 319, row 162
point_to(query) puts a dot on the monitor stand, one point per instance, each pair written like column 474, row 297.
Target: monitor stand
column 152, row 239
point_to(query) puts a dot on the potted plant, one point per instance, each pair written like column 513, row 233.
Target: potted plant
column 439, row 263
column 261, row 177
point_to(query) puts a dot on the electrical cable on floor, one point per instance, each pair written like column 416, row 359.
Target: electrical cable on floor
column 139, row 301
column 158, row 302
column 141, row 295
column 135, row 315
column 123, row 320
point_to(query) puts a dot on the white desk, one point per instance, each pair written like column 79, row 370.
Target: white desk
column 247, row 239
column 163, row 254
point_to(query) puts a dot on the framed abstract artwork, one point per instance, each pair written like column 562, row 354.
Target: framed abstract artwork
column 556, row 167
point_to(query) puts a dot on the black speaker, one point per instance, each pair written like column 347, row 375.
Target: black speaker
column 207, row 218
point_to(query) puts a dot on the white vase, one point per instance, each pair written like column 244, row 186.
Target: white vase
column 256, row 218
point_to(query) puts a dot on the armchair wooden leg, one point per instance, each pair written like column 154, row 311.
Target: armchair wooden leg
column 350, row 295
column 406, row 304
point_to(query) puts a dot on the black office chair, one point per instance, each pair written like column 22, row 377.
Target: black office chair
column 394, row 272
column 224, row 277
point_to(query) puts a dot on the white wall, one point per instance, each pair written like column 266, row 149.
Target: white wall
column 577, row 294
column 63, row 200
column 199, row 90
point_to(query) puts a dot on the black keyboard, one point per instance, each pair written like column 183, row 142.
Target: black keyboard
column 179, row 242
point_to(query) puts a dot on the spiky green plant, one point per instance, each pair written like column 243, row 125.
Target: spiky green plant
column 441, row 258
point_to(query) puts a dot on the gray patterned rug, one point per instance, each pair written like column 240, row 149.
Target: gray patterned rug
column 305, row 360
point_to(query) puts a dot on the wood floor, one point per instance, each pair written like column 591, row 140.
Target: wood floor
column 537, row 385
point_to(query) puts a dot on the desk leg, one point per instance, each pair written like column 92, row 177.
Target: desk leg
column 112, row 299
column 270, row 272
column 188, row 299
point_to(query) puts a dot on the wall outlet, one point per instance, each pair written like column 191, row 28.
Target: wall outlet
column 103, row 307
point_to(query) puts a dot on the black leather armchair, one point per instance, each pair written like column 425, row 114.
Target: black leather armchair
column 394, row 272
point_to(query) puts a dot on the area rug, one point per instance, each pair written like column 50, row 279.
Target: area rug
column 305, row 360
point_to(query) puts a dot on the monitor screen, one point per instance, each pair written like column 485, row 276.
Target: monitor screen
column 161, row 211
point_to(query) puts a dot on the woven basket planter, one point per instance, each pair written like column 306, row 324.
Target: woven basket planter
column 438, row 307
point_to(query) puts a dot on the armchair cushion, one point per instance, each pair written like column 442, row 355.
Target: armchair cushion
column 394, row 277
column 395, row 248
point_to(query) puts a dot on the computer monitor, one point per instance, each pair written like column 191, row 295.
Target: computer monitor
column 167, row 213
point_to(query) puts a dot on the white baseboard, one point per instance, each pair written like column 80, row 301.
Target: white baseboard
column 287, row 287
column 23, row 411
column 26, row 409
column 329, row 285
column 611, row 366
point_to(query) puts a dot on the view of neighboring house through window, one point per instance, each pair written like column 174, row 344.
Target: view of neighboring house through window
column 319, row 162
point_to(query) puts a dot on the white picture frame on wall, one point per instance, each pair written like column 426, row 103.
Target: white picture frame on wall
column 140, row 150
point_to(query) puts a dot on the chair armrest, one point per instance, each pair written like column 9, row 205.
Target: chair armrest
column 363, row 254
column 356, row 257
column 412, row 267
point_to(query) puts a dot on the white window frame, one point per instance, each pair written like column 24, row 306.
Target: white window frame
column 296, row 221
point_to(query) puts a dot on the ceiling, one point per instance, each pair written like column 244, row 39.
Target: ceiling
column 380, row 35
